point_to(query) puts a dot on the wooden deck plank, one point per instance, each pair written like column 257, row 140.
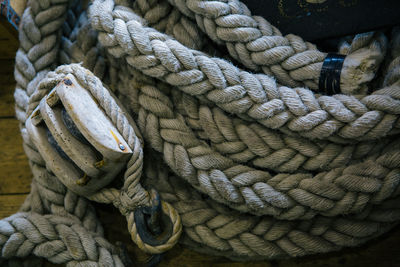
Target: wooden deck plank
column 7, row 32
column 8, row 40
column 7, row 100
column 9, row 204
column 7, row 68
column 7, row 50
column 15, row 172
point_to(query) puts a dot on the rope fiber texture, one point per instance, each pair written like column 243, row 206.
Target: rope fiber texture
column 249, row 159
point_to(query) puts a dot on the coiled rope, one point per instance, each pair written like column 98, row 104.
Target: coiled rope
column 254, row 168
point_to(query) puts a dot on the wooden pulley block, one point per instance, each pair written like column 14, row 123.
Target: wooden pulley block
column 78, row 141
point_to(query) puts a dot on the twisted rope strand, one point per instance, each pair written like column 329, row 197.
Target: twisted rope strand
column 257, row 44
column 246, row 142
column 34, row 98
column 39, row 38
column 254, row 96
column 58, row 239
column 161, row 110
column 214, row 229
column 247, row 189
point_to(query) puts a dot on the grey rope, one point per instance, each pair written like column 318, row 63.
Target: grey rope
column 55, row 238
column 260, row 46
column 256, row 97
column 294, row 161
column 212, row 228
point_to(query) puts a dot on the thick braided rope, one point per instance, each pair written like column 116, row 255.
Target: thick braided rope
column 58, row 239
column 212, row 228
column 247, row 189
column 163, row 17
column 143, row 99
column 39, row 38
column 389, row 158
column 122, row 125
column 249, row 143
column 253, row 96
column 243, row 142
column 39, row 35
column 163, row 111
column 24, row 68
column 203, row 233
column 257, row 44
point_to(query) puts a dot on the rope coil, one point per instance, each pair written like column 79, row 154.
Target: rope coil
column 284, row 171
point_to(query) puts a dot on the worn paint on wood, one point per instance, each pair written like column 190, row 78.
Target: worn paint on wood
column 18, row 6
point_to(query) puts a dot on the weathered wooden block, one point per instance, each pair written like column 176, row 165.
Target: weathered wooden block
column 77, row 140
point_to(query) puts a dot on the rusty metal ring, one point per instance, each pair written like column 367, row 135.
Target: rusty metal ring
column 153, row 225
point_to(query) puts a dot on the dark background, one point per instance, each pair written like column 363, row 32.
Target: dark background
column 321, row 19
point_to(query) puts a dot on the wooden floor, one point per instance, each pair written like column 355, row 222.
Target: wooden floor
column 15, row 180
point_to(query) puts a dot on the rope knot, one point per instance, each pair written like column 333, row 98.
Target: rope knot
column 155, row 228
column 125, row 203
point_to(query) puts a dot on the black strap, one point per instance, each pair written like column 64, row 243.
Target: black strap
column 329, row 79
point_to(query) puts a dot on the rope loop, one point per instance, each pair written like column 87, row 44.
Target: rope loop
column 145, row 235
column 153, row 226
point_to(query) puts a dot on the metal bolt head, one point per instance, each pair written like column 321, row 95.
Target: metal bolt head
column 67, row 81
